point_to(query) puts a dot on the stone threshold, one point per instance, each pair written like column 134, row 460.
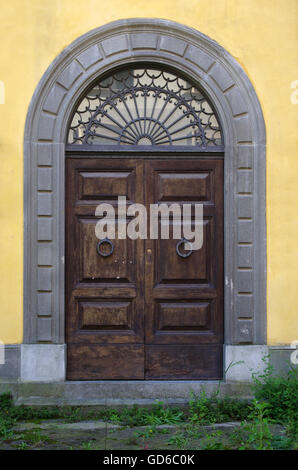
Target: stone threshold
column 119, row 393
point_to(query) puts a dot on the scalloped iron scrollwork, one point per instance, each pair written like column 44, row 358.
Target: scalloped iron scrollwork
column 145, row 106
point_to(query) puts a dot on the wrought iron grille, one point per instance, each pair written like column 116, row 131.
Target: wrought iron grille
column 145, row 106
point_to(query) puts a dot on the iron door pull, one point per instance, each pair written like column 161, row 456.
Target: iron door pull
column 101, row 242
column 181, row 242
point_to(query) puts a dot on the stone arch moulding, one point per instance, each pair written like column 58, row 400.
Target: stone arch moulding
column 238, row 108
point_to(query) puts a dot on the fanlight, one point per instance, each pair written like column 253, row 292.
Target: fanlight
column 145, row 106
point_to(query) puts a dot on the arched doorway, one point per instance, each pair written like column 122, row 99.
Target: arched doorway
column 145, row 308
column 223, row 81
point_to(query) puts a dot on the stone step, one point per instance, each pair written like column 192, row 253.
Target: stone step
column 117, row 393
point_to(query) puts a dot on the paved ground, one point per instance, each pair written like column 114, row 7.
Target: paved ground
column 99, row 435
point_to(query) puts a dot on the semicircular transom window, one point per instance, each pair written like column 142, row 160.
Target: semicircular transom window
column 145, row 106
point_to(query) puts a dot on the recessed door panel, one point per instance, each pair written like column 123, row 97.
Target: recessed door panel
column 115, row 268
column 106, row 185
column 183, row 316
column 172, row 268
column 192, row 186
column 103, row 315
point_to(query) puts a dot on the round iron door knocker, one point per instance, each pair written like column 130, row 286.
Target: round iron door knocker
column 101, row 242
column 181, row 242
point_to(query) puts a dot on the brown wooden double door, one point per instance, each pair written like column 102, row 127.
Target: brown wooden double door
column 143, row 312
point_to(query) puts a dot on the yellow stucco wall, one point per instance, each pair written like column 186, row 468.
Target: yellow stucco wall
column 260, row 34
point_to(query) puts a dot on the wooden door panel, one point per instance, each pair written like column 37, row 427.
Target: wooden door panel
column 189, row 316
column 119, row 267
column 98, row 320
column 103, row 320
column 184, row 321
column 105, row 306
column 143, row 312
column 170, row 268
column 105, row 185
column 180, row 362
column 103, row 315
column 190, row 187
column 98, row 362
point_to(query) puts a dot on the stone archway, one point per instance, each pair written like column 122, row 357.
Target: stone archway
column 229, row 89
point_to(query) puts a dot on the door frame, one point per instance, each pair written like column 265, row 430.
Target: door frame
column 240, row 114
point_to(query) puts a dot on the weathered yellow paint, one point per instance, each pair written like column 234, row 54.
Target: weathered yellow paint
column 260, row 34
